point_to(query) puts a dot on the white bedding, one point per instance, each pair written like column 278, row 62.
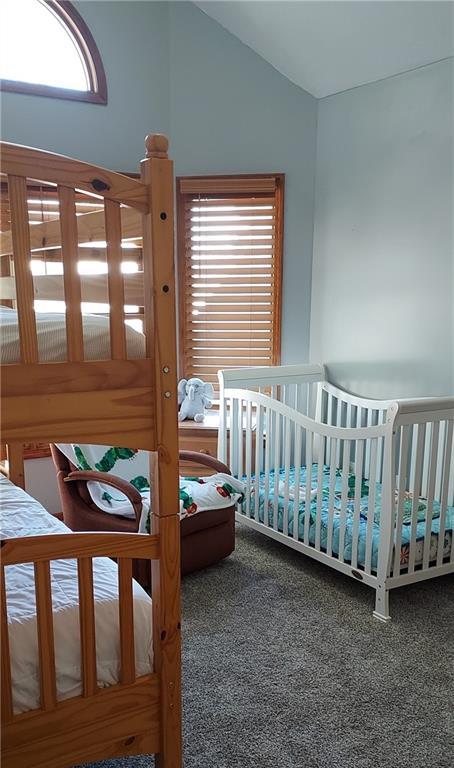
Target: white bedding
column 23, row 516
column 51, row 333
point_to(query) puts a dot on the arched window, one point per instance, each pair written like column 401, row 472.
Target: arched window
column 48, row 50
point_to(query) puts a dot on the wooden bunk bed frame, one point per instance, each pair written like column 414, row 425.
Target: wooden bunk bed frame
column 116, row 402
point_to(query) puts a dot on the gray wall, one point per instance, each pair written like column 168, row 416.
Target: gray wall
column 382, row 291
column 231, row 112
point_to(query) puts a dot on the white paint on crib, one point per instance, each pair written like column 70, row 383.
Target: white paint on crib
column 301, row 419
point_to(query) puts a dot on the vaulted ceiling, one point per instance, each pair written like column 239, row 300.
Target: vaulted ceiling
column 327, row 46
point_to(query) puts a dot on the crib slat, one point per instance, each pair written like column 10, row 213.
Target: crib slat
column 430, row 491
column 115, row 280
column 370, row 421
column 257, row 461
column 240, row 430
column 329, row 420
column 126, row 609
column 233, row 436
column 45, row 627
column 277, row 465
column 332, row 483
column 344, row 498
column 71, row 277
column 402, row 486
column 20, row 232
column 416, row 491
column 248, row 455
column 266, row 497
column 297, row 491
column 446, row 462
column 371, row 503
column 318, row 518
column 307, row 504
column 6, row 690
column 339, row 424
column 287, row 448
column 359, row 456
column 87, row 625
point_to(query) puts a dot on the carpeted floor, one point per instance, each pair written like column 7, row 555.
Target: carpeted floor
column 284, row 667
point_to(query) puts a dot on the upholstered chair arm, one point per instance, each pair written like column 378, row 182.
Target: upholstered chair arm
column 131, row 493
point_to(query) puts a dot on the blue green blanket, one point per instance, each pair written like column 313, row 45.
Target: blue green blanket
column 279, row 486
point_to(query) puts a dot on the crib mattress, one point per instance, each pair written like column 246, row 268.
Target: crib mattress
column 276, row 486
column 51, row 334
column 23, row 516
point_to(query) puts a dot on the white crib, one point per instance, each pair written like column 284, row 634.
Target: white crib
column 381, row 481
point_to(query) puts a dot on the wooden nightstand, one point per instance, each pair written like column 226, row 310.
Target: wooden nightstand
column 202, row 438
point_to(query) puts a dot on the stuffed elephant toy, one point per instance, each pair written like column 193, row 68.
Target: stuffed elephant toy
column 194, row 395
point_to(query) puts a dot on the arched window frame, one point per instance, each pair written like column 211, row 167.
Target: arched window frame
column 84, row 41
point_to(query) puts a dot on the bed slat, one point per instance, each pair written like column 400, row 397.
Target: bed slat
column 71, row 278
column 403, row 462
column 45, row 635
column 416, row 490
column 444, row 490
column 266, row 497
column 87, row 625
column 115, row 281
column 126, row 608
column 430, row 491
column 17, row 189
column 6, row 697
column 344, row 498
column 297, row 490
column 307, row 505
column 372, row 472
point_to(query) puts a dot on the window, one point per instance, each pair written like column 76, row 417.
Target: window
column 230, row 232
column 48, row 50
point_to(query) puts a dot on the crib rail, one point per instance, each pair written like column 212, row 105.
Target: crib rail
column 279, row 445
column 371, row 474
column 40, row 551
column 424, row 481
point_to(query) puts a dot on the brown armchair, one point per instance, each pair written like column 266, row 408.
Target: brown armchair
column 206, row 537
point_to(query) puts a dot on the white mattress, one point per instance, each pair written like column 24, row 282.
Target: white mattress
column 51, row 333
column 23, row 516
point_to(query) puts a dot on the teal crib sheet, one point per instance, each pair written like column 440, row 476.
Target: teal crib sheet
column 276, row 485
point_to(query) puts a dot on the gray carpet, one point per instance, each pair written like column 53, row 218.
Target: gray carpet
column 284, row 667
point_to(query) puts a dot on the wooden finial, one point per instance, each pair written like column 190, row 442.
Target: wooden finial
column 156, row 145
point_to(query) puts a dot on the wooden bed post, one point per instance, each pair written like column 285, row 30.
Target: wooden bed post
column 160, row 331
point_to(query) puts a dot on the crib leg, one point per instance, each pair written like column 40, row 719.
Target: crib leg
column 381, row 603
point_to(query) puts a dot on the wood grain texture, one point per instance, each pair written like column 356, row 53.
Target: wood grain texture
column 114, row 402
column 57, row 169
column 120, row 720
column 110, row 417
column 6, row 691
column 87, row 626
column 17, row 189
column 15, row 460
column 115, row 281
column 45, row 627
column 91, row 375
column 160, row 330
column 126, row 608
column 60, row 546
column 71, row 279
